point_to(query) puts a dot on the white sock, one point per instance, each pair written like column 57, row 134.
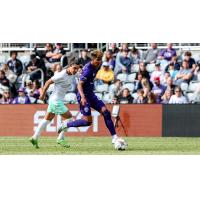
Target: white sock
column 114, row 137
column 61, row 136
column 41, row 126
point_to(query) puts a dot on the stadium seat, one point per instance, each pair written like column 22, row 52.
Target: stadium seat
column 131, row 77
column 193, row 86
column 150, row 67
column 134, row 95
column 190, row 96
column 112, row 88
column 24, row 59
column 70, row 98
column 102, row 88
column 135, row 68
column 107, row 98
column 122, row 77
column 3, row 59
column 130, row 86
column 196, row 57
column 184, row 86
column 99, row 95
column 163, row 64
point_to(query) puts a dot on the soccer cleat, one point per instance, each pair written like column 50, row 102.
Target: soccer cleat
column 62, row 127
column 34, row 143
column 119, row 144
column 63, row 143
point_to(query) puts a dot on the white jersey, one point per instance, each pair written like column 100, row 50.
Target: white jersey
column 178, row 100
column 62, row 84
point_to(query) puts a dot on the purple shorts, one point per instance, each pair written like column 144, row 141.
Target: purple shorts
column 92, row 102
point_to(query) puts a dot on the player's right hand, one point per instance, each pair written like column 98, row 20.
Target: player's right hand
column 83, row 101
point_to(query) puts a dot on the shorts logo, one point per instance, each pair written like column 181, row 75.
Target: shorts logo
column 86, row 109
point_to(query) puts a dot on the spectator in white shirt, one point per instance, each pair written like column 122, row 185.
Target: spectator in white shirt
column 178, row 98
column 157, row 73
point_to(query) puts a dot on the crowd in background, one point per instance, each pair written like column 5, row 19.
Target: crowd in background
column 126, row 76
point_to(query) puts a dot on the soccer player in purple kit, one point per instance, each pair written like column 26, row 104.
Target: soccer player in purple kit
column 87, row 100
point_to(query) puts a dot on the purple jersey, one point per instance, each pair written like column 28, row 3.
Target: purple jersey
column 87, row 76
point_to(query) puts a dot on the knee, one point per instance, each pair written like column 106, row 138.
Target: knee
column 106, row 114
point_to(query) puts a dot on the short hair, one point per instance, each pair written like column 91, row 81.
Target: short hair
column 188, row 53
column 13, row 52
column 96, row 54
column 73, row 61
column 33, row 56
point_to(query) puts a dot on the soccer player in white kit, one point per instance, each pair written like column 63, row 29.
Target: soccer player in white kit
column 62, row 83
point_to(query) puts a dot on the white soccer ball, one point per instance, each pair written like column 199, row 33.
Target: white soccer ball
column 120, row 144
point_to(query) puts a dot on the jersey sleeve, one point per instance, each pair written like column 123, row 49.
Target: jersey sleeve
column 57, row 77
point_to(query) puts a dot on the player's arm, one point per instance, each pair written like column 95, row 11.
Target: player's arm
column 80, row 90
column 45, row 88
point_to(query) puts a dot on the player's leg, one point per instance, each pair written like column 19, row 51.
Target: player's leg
column 85, row 121
column 41, row 126
column 99, row 106
column 66, row 117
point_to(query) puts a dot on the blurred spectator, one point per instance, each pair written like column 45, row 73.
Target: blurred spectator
column 105, row 74
column 166, row 97
column 125, row 97
column 15, row 64
column 84, row 59
column 114, row 49
column 168, row 53
column 151, row 54
column 191, row 61
column 145, row 86
column 157, row 73
column 117, row 88
column 3, row 80
column 6, row 97
column 108, row 57
column 58, row 68
column 36, row 90
column 135, row 56
column 115, row 100
column 33, row 65
column 171, row 69
column 151, row 98
column 10, row 75
column 138, row 81
column 184, row 75
column 58, row 52
column 118, row 64
column 178, row 98
column 125, row 62
column 140, row 99
column 22, row 98
column 143, row 70
column 158, row 89
column 170, row 85
column 165, row 78
column 173, row 62
column 29, row 87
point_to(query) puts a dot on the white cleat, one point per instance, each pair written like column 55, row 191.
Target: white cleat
column 62, row 127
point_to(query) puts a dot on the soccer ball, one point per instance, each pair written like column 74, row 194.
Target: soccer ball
column 120, row 144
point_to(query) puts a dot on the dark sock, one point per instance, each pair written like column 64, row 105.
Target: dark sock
column 77, row 123
column 109, row 122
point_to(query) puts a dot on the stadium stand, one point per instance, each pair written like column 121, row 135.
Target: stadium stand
column 37, row 66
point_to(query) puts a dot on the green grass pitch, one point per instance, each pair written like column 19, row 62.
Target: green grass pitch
column 101, row 146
